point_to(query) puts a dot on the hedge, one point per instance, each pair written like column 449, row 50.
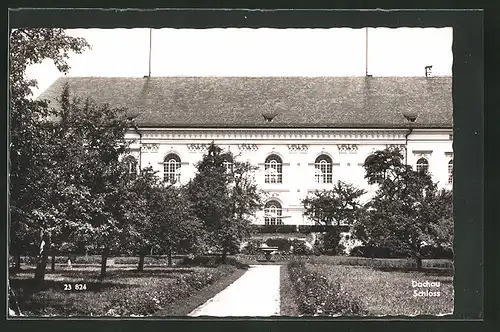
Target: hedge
column 285, row 229
column 428, row 252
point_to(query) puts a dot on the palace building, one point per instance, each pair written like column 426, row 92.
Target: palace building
column 304, row 133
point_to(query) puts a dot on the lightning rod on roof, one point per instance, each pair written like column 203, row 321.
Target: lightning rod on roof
column 150, row 42
column 366, row 54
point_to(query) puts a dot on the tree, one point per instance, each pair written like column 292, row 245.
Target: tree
column 330, row 207
column 30, row 173
column 175, row 225
column 333, row 207
column 224, row 197
column 399, row 216
column 138, row 210
column 439, row 210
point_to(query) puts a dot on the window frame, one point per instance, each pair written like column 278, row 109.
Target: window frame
column 450, row 171
column 173, row 162
column 422, row 163
column 273, row 206
column 323, row 169
column 273, row 162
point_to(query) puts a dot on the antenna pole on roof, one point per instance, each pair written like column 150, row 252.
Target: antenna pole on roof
column 150, row 42
column 366, row 55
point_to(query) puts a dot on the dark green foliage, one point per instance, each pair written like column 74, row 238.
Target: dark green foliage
column 280, row 229
column 333, row 207
column 224, row 199
column 252, row 247
column 283, row 244
column 317, row 296
column 34, row 142
column 300, row 248
column 407, row 210
column 330, row 242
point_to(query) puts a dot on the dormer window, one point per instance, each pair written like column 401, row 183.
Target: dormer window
column 410, row 117
column 269, row 117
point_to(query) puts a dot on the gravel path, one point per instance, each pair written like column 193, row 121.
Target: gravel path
column 255, row 293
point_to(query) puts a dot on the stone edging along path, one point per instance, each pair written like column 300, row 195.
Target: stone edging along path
column 255, row 293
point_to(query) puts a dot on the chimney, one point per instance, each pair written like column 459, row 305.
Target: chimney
column 428, row 71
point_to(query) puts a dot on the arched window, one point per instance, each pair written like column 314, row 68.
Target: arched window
column 228, row 166
column 450, row 172
column 422, row 165
column 131, row 164
column 273, row 213
column 171, row 168
column 274, row 169
column 323, row 171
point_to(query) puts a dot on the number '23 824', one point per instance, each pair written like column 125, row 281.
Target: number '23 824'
column 76, row 287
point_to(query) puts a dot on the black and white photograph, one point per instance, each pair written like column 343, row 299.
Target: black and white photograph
column 230, row 172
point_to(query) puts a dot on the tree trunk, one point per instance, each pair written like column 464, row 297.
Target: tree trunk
column 169, row 255
column 224, row 255
column 53, row 262
column 142, row 255
column 17, row 262
column 41, row 264
column 104, row 262
column 418, row 260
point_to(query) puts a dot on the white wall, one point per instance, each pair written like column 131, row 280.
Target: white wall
column 298, row 168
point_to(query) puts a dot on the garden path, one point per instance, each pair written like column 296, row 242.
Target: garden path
column 255, row 293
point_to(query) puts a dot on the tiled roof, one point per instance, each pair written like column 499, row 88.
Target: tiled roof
column 355, row 102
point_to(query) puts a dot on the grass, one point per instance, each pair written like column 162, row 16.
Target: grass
column 123, row 292
column 288, row 305
column 384, row 292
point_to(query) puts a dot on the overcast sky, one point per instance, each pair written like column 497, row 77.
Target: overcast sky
column 256, row 52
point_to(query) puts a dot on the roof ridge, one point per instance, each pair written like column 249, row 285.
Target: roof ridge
column 220, row 76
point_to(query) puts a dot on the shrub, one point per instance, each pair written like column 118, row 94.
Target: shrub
column 300, row 248
column 206, row 261
column 317, row 296
column 283, row 244
column 252, row 247
column 437, row 252
column 331, row 241
column 283, row 229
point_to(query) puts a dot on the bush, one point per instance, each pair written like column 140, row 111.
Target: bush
column 283, row 244
column 252, row 247
column 205, row 261
column 300, row 248
column 331, row 242
column 317, row 296
column 283, row 229
column 376, row 252
column 437, row 252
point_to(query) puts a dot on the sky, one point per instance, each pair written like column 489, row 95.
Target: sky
column 255, row 52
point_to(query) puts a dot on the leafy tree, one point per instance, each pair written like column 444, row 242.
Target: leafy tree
column 33, row 220
column 138, row 211
column 102, row 177
column 175, row 225
column 439, row 210
column 330, row 207
column 401, row 215
column 333, row 207
column 224, row 199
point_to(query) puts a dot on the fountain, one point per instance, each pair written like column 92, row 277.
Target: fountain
column 268, row 251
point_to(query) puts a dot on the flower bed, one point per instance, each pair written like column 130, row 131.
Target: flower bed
column 317, row 296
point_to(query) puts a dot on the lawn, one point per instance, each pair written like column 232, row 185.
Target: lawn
column 124, row 292
column 390, row 291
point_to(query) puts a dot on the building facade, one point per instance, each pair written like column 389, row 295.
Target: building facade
column 304, row 134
